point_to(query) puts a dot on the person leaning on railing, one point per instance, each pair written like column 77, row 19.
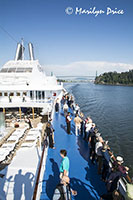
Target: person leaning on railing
column 112, row 184
column 87, row 126
column 92, row 142
column 117, row 162
column 123, row 169
column 98, row 151
column 71, row 101
column 82, row 124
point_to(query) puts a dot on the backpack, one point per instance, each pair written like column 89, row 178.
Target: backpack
column 61, row 190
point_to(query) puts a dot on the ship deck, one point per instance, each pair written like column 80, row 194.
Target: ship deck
column 83, row 174
column 19, row 177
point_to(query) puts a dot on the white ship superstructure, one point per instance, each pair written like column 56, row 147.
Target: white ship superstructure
column 26, row 93
column 23, row 83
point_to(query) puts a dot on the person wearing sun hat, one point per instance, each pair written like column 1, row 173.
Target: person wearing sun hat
column 121, row 168
column 119, row 159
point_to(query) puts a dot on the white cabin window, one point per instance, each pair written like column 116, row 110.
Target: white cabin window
column 4, row 70
column 11, row 70
column 21, row 70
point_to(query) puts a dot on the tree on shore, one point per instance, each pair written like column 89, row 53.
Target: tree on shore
column 114, row 78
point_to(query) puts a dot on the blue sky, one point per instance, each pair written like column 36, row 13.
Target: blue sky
column 60, row 39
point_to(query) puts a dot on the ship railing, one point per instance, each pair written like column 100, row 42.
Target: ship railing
column 27, row 100
column 41, row 168
column 108, row 155
column 38, row 175
column 110, row 158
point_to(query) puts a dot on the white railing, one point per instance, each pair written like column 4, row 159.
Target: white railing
column 18, row 101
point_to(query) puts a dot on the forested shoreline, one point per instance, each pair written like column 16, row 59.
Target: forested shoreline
column 114, row 78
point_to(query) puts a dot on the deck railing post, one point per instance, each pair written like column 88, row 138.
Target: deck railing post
column 38, row 175
column 4, row 110
column 33, row 112
column 20, row 112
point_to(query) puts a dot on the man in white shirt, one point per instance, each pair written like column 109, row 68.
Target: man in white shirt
column 77, row 109
column 87, row 128
column 65, row 109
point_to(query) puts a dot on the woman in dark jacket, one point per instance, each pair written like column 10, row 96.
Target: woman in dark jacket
column 49, row 132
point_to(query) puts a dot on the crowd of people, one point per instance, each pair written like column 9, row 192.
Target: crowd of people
column 111, row 169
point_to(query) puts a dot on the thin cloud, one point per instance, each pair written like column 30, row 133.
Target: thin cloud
column 86, row 68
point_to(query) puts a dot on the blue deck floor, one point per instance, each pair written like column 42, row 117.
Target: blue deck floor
column 83, row 174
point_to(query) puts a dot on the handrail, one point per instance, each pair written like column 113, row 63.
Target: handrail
column 39, row 171
column 38, row 175
column 113, row 157
column 17, row 100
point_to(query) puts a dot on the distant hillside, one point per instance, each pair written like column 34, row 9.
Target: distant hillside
column 114, row 78
column 61, row 80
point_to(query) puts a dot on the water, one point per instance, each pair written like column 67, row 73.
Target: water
column 111, row 108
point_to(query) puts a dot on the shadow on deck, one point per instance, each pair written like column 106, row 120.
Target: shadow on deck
column 83, row 174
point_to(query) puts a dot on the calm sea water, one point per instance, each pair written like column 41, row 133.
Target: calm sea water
column 111, row 108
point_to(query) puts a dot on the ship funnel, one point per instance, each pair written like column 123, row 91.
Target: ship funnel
column 31, row 52
column 19, row 52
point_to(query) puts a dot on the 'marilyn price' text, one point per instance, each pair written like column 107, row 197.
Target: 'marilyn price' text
column 96, row 12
